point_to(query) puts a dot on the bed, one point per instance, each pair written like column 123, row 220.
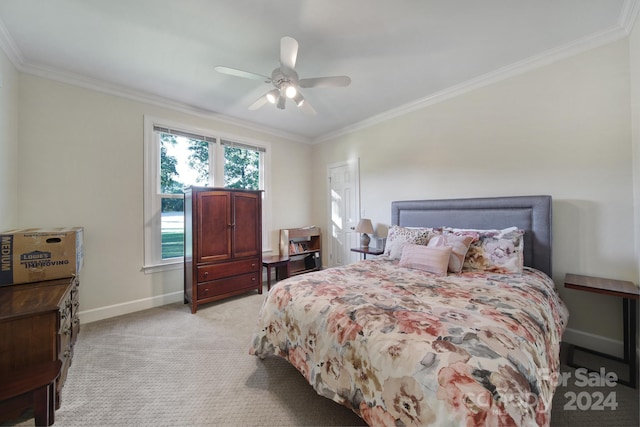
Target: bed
column 402, row 343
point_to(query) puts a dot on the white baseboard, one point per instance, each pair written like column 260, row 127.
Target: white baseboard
column 594, row 342
column 101, row 313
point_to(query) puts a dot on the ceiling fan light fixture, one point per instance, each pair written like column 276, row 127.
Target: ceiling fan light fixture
column 272, row 96
column 298, row 99
column 285, row 80
column 291, row 91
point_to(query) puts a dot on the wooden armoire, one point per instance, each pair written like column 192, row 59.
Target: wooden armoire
column 222, row 244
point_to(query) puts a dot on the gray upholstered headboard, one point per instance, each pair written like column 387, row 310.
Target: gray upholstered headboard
column 530, row 213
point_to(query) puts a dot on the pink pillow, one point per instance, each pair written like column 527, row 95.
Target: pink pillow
column 459, row 246
column 431, row 259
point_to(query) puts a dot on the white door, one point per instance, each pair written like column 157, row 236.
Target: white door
column 344, row 206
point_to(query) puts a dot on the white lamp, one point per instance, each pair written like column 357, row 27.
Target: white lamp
column 365, row 227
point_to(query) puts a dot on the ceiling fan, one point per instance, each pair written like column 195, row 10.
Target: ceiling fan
column 285, row 79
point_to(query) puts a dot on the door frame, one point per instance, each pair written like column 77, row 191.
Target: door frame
column 356, row 164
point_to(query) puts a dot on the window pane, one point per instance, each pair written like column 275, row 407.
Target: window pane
column 172, row 228
column 241, row 168
column 183, row 162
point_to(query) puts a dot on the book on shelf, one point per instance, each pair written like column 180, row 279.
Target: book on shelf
column 296, row 247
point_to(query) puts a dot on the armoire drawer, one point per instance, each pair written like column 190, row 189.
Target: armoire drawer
column 226, row 269
column 228, row 285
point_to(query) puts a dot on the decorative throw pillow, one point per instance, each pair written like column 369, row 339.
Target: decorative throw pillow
column 431, row 259
column 399, row 236
column 499, row 251
column 395, row 250
column 459, row 246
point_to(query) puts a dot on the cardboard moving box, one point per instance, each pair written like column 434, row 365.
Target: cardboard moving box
column 36, row 254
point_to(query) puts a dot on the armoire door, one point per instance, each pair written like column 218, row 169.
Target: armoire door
column 247, row 224
column 214, row 226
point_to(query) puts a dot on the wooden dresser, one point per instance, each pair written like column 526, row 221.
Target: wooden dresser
column 38, row 323
column 222, row 244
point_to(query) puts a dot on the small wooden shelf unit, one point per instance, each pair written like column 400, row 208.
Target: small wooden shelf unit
column 304, row 247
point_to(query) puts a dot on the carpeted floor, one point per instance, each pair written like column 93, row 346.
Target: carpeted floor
column 167, row 367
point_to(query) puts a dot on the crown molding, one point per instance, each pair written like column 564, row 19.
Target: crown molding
column 147, row 98
column 15, row 56
column 534, row 62
column 9, row 47
column 626, row 22
column 629, row 15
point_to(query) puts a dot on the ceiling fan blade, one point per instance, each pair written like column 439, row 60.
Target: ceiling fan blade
column 288, row 52
column 335, row 81
column 244, row 74
column 307, row 108
column 259, row 102
column 302, row 103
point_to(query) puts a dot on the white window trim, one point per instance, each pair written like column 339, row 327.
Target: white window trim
column 152, row 259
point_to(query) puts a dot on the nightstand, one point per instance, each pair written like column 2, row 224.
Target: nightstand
column 368, row 251
column 629, row 294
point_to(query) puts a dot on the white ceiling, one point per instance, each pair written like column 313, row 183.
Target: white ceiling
column 399, row 54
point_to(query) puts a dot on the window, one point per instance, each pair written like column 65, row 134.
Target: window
column 175, row 159
column 184, row 161
column 242, row 166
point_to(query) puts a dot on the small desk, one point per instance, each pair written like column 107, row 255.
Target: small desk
column 628, row 292
column 281, row 263
column 370, row 251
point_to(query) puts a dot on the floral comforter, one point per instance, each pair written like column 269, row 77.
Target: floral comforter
column 404, row 347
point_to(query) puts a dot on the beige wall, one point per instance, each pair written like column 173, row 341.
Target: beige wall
column 8, row 143
column 563, row 130
column 81, row 164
